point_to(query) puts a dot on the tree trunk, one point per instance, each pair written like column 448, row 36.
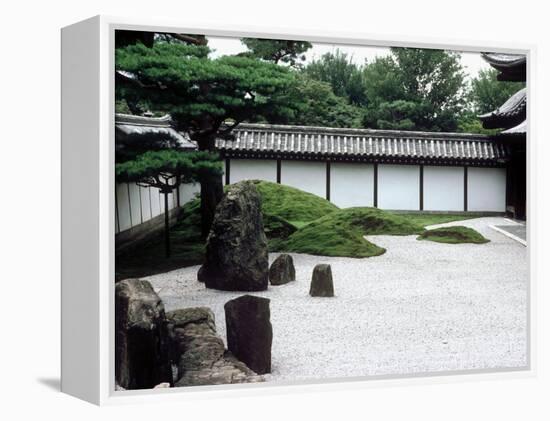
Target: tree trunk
column 211, row 190
column 166, row 226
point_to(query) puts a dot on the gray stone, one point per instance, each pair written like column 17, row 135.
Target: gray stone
column 282, row 270
column 142, row 354
column 200, row 353
column 236, row 248
column 249, row 331
column 321, row 282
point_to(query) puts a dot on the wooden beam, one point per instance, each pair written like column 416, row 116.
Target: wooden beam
column 328, row 180
column 421, row 198
column 278, row 170
column 375, row 201
column 227, row 171
column 465, row 189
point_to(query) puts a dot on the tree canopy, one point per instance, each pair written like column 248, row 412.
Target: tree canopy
column 277, row 51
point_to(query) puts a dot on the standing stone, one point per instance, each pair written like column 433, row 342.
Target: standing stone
column 249, row 331
column 142, row 354
column 199, row 353
column 321, row 282
column 236, row 248
column 282, row 270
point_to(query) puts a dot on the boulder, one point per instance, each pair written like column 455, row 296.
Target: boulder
column 142, row 355
column 249, row 331
column 236, row 248
column 199, row 352
column 321, row 282
column 282, row 270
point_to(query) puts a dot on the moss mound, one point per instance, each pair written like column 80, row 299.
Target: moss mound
column 341, row 233
column 453, row 235
column 295, row 206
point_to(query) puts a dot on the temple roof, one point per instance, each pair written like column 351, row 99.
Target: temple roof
column 141, row 131
column 361, row 145
column 520, row 129
column 511, row 67
column 509, row 114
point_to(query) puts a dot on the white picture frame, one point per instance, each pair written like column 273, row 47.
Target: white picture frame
column 88, row 221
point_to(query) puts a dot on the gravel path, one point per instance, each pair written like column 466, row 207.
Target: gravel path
column 420, row 307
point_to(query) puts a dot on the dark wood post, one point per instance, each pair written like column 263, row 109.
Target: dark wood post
column 166, row 224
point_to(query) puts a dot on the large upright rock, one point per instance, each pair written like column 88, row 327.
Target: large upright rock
column 282, row 270
column 249, row 331
column 236, row 248
column 199, row 352
column 142, row 355
column 321, row 282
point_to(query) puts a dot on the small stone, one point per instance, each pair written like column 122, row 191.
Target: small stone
column 249, row 331
column 321, row 281
column 282, row 270
column 162, row 386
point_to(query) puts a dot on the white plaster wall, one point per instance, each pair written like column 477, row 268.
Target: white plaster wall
column 252, row 169
column 145, row 203
column 307, row 176
column 443, row 188
column 487, row 189
column 123, row 205
column 135, row 204
column 399, row 187
column 351, row 184
column 155, row 201
column 188, row 192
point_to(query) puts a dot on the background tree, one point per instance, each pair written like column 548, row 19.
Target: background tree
column 206, row 97
column 338, row 70
column 487, row 93
column 277, row 51
column 166, row 170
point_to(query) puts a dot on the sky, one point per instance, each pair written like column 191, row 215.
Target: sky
column 472, row 62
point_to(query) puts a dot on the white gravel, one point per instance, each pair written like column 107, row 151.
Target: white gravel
column 420, row 307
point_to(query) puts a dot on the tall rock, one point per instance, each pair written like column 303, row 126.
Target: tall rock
column 321, row 281
column 249, row 331
column 142, row 355
column 236, row 248
column 282, row 270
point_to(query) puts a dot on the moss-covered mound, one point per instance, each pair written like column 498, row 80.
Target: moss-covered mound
column 341, row 233
column 295, row 206
column 453, row 235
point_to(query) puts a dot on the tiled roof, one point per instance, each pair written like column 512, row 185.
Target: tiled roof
column 133, row 128
column 304, row 142
column 512, row 67
column 509, row 114
column 521, row 128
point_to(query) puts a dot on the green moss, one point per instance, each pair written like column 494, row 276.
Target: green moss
column 341, row 233
column 425, row 219
column 453, row 235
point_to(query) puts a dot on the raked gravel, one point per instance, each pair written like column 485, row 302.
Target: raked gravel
column 420, row 307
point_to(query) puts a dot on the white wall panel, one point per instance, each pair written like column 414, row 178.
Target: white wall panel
column 307, row 176
column 399, row 187
column 351, row 184
column 135, row 204
column 155, row 201
column 252, row 169
column 145, row 203
column 188, row 192
column 443, row 188
column 123, row 203
column 487, row 189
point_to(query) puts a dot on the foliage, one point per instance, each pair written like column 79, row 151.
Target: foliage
column 153, row 168
column 320, row 106
column 278, row 51
column 453, row 235
column 202, row 93
column 487, row 93
column 338, row 70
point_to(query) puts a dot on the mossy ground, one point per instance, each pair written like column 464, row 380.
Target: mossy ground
column 294, row 221
column 453, row 235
